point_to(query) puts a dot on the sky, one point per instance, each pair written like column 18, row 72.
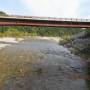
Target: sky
column 47, row 8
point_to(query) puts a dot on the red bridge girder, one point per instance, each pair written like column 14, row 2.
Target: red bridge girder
column 49, row 23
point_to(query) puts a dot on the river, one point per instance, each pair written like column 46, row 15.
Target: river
column 55, row 67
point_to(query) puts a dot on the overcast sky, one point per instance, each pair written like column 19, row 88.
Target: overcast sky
column 47, row 8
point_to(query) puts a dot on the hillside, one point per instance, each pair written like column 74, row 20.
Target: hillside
column 3, row 13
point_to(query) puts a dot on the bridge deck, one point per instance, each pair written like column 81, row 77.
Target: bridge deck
column 46, row 18
column 43, row 21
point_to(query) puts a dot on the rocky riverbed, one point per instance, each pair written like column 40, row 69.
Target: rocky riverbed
column 37, row 64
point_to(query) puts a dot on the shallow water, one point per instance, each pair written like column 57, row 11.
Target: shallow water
column 55, row 68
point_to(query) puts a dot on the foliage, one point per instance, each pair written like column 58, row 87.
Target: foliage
column 37, row 31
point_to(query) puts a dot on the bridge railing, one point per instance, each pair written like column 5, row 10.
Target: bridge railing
column 46, row 18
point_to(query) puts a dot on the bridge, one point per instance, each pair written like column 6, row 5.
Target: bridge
column 15, row 20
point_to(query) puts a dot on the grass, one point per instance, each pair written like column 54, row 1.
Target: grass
column 66, row 39
column 15, row 33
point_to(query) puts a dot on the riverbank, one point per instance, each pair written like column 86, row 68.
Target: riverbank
column 56, row 39
column 7, row 41
column 81, row 47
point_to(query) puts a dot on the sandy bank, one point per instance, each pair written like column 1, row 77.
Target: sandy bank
column 6, row 40
column 56, row 39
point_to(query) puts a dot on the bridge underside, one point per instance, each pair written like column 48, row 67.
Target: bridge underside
column 30, row 22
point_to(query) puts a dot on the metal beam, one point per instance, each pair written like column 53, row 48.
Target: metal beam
column 6, row 21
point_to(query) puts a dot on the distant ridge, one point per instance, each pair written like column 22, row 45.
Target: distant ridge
column 3, row 13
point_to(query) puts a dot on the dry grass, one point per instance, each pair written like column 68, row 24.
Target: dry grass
column 18, row 63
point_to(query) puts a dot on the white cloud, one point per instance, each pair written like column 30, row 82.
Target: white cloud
column 52, row 8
